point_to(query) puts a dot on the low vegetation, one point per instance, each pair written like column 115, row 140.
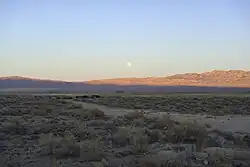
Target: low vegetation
column 55, row 132
column 212, row 104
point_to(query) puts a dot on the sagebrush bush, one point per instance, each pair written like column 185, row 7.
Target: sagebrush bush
column 87, row 114
column 95, row 145
column 59, row 147
column 74, row 106
column 139, row 141
column 187, row 131
column 133, row 115
column 164, row 122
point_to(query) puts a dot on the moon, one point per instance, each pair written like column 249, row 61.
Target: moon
column 129, row 64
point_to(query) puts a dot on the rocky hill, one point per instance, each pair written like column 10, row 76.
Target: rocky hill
column 235, row 78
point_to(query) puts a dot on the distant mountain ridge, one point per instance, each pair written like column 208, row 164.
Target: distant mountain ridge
column 214, row 81
column 28, row 78
column 234, row 78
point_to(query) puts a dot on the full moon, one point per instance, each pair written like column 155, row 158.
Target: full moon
column 129, row 64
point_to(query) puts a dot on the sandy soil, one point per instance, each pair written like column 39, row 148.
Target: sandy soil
column 110, row 111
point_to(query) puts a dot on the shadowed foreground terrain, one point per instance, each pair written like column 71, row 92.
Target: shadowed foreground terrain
column 61, row 131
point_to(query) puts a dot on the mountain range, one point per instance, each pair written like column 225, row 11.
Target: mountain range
column 213, row 81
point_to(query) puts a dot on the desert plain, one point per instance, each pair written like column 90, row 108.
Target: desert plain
column 116, row 130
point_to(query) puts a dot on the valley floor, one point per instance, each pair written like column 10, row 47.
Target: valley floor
column 60, row 131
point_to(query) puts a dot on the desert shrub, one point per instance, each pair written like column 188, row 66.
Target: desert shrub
column 96, row 113
column 65, row 97
column 164, row 122
column 95, row 145
column 139, row 141
column 8, row 126
column 187, row 131
column 92, row 150
column 163, row 159
column 154, row 135
column 50, row 142
column 220, row 112
column 121, row 137
column 40, row 112
column 110, row 125
column 91, row 114
column 74, row 106
column 150, row 118
column 220, row 156
column 68, row 137
column 135, row 137
column 59, row 147
column 119, row 121
column 17, row 141
column 63, row 102
column 139, row 122
column 16, row 126
column 133, row 115
column 82, row 132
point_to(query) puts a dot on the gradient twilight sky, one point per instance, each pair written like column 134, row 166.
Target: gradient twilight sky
column 94, row 39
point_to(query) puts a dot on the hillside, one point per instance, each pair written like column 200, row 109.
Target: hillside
column 234, row 78
column 215, row 81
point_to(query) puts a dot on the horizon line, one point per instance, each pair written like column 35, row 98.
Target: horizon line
column 84, row 81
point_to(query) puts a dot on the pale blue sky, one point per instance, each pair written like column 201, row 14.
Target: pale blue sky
column 93, row 39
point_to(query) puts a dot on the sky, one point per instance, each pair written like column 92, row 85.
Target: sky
column 80, row 40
